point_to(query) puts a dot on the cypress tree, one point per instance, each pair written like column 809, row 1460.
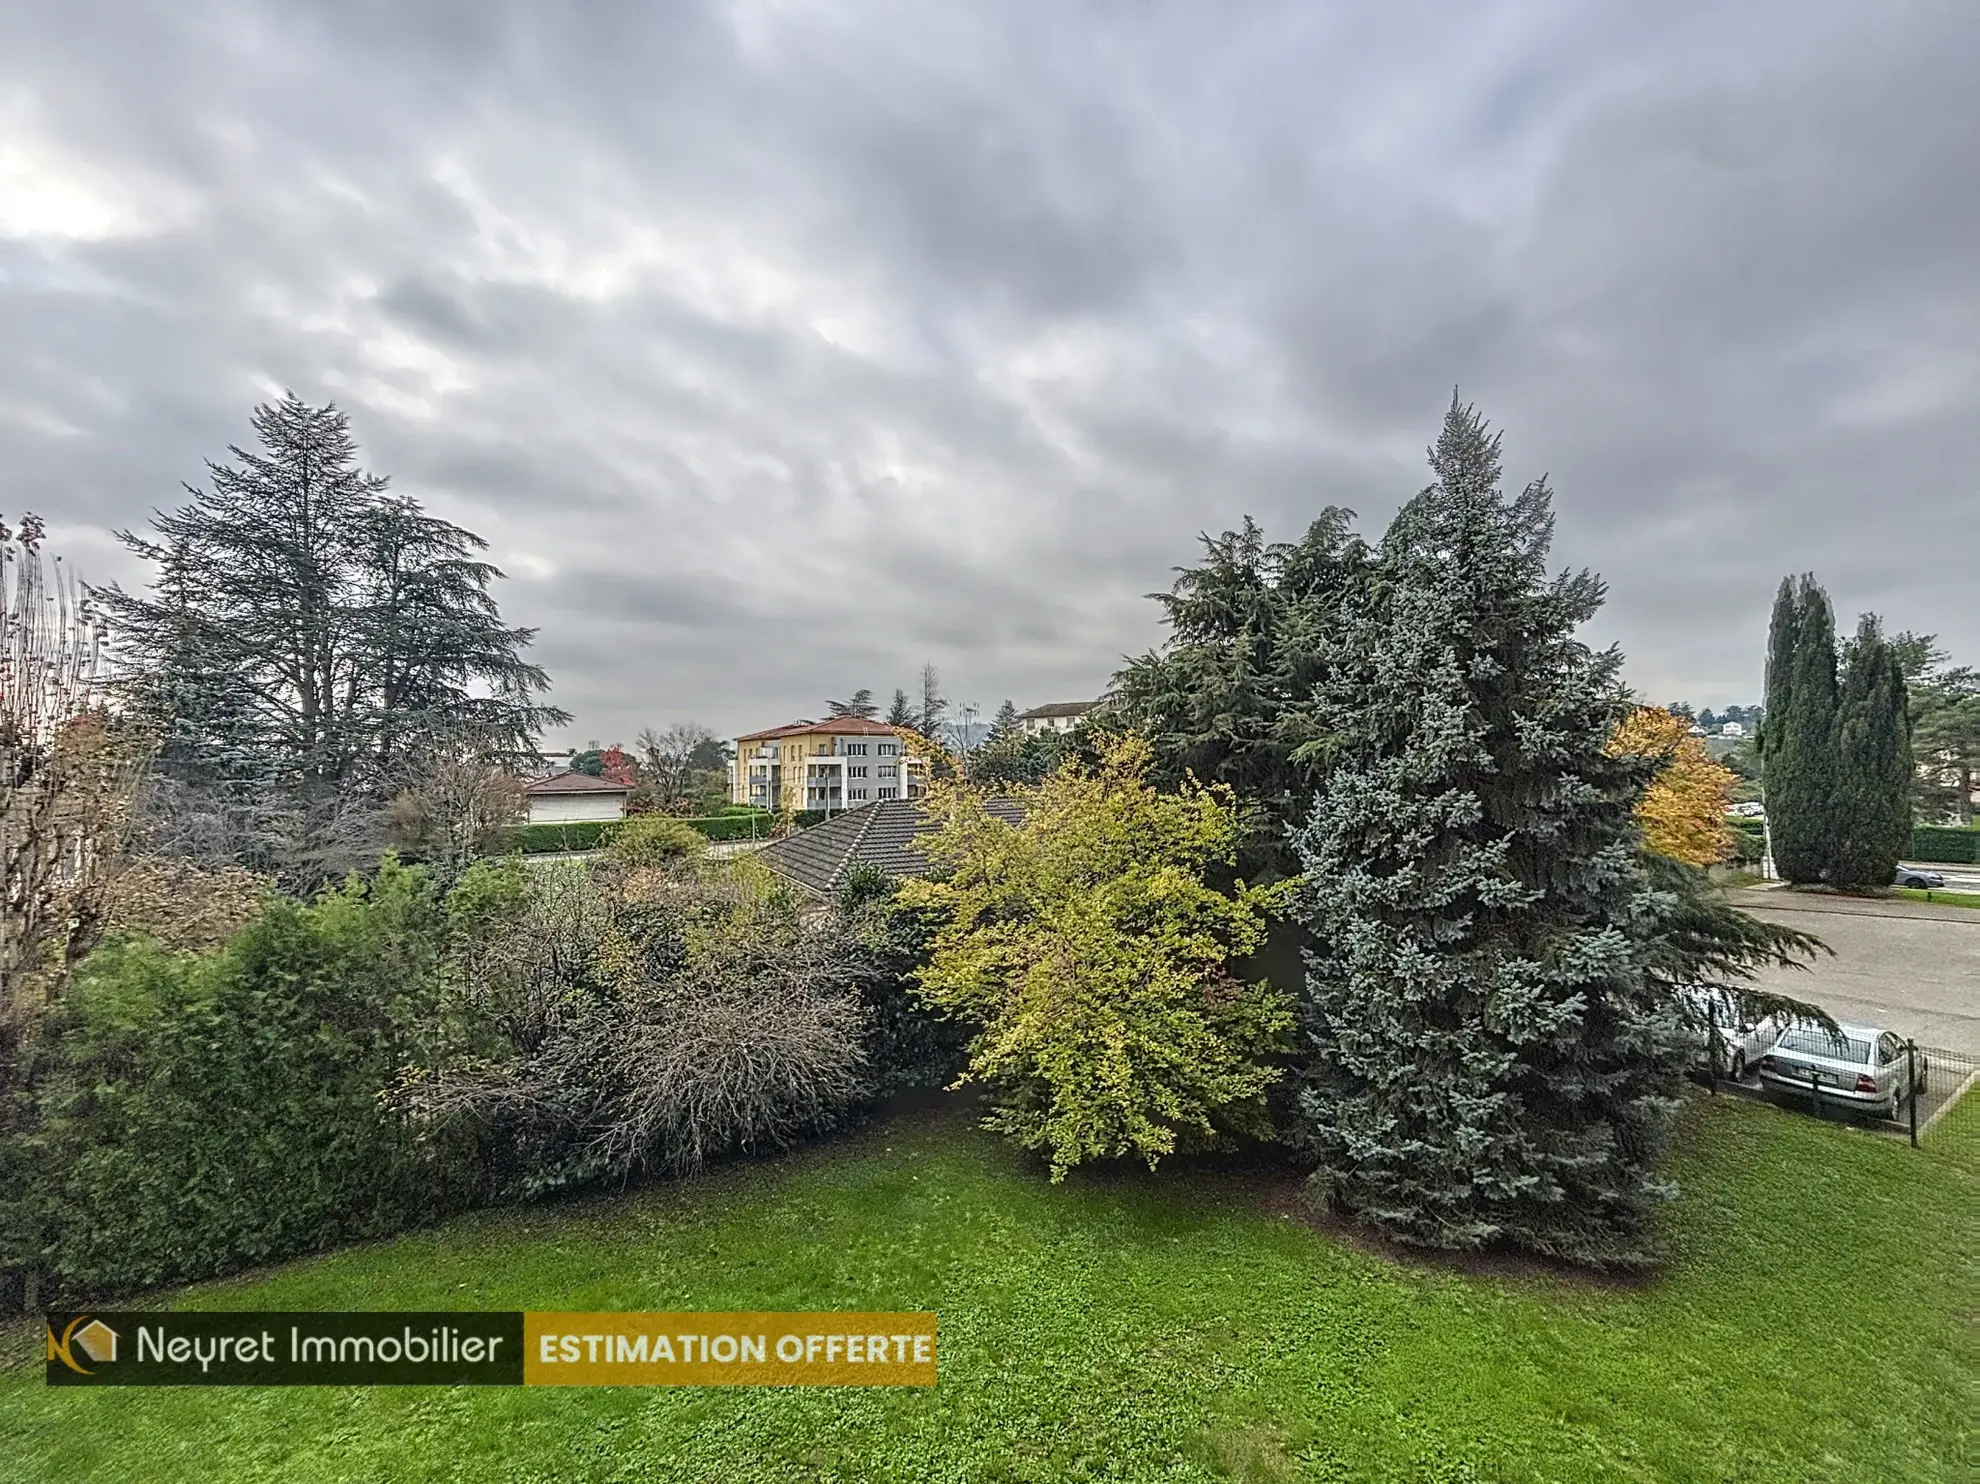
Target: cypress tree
column 1486, row 1055
column 1799, row 746
column 1871, row 812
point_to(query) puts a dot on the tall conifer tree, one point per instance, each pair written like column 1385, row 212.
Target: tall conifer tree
column 1871, row 809
column 308, row 634
column 1487, row 1055
column 1799, row 739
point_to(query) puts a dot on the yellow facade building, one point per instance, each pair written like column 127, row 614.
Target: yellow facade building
column 837, row 764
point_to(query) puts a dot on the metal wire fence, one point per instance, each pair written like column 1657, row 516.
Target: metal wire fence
column 1896, row 1084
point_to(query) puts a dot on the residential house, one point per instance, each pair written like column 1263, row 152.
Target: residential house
column 569, row 798
column 839, row 763
column 881, row 834
column 1733, row 729
column 1059, row 716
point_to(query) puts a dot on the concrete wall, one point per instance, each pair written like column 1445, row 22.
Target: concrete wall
column 571, row 808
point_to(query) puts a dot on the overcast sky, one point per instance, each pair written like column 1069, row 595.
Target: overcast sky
column 778, row 347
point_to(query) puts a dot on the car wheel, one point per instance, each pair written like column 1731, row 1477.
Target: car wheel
column 1739, row 1066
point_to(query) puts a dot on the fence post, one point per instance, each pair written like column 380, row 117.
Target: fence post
column 1911, row 1086
column 1711, row 1047
column 1815, row 1092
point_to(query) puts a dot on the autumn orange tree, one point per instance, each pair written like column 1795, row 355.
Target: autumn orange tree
column 1683, row 812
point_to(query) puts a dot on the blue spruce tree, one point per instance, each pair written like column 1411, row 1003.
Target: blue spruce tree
column 1488, row 1058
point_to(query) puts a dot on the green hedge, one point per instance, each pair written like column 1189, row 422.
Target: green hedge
column 1749, row 838
column 199, row 1114
column 590, row 834
column 1950, row 845
column 546, row 839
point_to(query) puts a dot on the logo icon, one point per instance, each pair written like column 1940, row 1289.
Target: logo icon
column 96, row 1340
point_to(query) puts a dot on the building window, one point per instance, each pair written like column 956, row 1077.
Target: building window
column 888, row 793
column 892, row 770
column 857, row 772
column 855, row 793
column 886, row 749
column 855, row 749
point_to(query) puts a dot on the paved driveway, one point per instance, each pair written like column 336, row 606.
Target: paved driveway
column 1905, row 966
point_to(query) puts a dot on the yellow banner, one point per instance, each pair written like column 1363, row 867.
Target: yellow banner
column 728, row 1349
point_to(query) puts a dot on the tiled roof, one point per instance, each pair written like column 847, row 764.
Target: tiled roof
column 880, row 834
column 1057, row 708
column 574, row 783
column 836, row 726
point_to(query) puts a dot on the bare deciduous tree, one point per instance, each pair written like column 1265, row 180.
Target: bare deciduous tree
column 68, row 773
column 669, row 760
column 457, row 809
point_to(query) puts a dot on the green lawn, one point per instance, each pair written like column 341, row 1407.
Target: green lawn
column 1943, row 898
column 1817, row 1323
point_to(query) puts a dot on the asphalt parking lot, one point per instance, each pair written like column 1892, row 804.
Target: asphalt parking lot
column 1909, row 967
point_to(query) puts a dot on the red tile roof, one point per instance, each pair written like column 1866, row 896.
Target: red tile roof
column 836, row 726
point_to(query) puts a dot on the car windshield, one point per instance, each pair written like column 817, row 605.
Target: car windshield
column 1818, row 1042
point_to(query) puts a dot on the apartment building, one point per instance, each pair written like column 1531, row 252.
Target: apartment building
column 840, row 763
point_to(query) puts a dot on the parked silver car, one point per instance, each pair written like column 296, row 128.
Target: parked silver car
column 1863, row 1068
column 1922, row 880
column 1742, row 1039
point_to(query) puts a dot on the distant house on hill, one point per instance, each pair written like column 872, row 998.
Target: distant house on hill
column 881, row 834
column 570, row 798
column 1059, row 716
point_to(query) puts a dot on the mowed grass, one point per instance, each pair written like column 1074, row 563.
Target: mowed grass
column 1816, row 1322
column 1942, row 898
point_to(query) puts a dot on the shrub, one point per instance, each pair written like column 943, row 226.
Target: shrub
column 592, row 834
column 909, row 1044
column 1089, row 948
column 546, row 839
column 1749, row 839
column 182, row 905
column 612, row 1022
column 656, row 840
column 202, row 1113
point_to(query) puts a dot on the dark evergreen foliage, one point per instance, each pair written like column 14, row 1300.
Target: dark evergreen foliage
column 900, row 714
column 1230, row 697
column 1018, row 759
column 1798, row 736
column 861, row 705
column 1003, row 723
column 908, row 1044
column 934, row 707
column 1870, row 827
column 306, row 634
column 1488, row 1056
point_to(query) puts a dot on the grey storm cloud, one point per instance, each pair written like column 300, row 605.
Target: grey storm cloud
column 777, row 348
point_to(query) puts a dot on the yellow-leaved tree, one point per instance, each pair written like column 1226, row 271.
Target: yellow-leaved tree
column 1683, row 812
column 1091, row 951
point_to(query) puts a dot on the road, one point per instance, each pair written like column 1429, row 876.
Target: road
column 1910, row 967
column 1958, row 878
